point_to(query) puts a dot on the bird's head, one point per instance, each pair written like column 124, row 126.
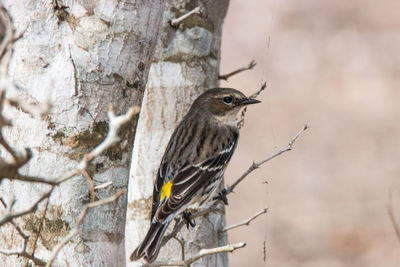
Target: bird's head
column 223, row 103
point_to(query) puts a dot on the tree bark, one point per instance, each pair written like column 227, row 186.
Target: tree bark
column 83, row 56
column 186, row 63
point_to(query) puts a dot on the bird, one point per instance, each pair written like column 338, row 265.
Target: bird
column 193, row 163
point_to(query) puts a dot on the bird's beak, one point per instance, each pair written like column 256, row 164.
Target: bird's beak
column 249, row 101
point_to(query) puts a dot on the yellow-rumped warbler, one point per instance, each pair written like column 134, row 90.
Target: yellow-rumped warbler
column 194, row 162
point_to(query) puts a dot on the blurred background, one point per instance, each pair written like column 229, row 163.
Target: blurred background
column 334, row 65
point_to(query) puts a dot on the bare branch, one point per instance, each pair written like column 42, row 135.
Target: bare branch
column 9, row 33
column 24, row 254
column 17, row 98
column 262, row 88
column 256, row 165
column 6, row 46
column 247, row 221
column 182, row 244
column 60, row 245
column 115, row 123
column 6, row 51
column 68, row 175
column 264, row 251
column 25, row 103
column 179, row 223
column 9, row 169
column 112, row 136
column 251, row 65
column 22, row 234
column 75, row 230
column 102, row 186
column 202, row 253
column 3, row 121
column 103, row 201
column 33, row 179
column 240, row 122
column 393, row 220
column 90, row 182
column 11, row 215
column 25, row 237
column 175, row 22
column 40, row 226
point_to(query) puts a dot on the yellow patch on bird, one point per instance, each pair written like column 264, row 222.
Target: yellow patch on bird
column 165, row 190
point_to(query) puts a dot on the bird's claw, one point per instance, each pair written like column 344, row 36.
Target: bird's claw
column 187, row 216
column 222, row 196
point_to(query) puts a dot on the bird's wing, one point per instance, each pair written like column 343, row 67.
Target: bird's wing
column 171, row 194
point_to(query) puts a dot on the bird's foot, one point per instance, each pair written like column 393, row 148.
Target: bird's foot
column 187, row 216
column 222, row 196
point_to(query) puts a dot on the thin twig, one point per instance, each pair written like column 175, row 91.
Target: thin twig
column 225, row 77
column 256, row 165
column 9, row 215
column 75, row 230
column 393, row 220
column 3, row 121
column 90, row 182
column 112, row 137
column 40, row 227
column 182, row 244
column 180, row 223
column 202, row 253
column 60, row 245
column 21, row 233
column 24, row 254
column 265, row 250
column 10, row 169
column 3, row 203
column 8, row 35
column 8, row 148
column 262, row 88
column 175, row 22
column 102, row 186
column 240, row 122
column 246, row 222
column 33, row 179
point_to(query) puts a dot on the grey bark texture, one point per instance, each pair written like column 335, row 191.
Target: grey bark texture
column 186, row 63
column 82, row 57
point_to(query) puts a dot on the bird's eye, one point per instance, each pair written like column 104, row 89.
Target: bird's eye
column 228, row 99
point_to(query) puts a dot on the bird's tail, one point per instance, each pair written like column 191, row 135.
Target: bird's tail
column 150, row 246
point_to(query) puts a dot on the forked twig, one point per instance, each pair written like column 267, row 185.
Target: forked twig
column 245, row 222
column 256, row 165
column 175, row 22
column 240, row 122
column 10, row 215
column 202, row 253
column 225, row 77
column 75, row 230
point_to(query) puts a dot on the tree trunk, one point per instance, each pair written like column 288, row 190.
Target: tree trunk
column 83, row 56
column 186, row 64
